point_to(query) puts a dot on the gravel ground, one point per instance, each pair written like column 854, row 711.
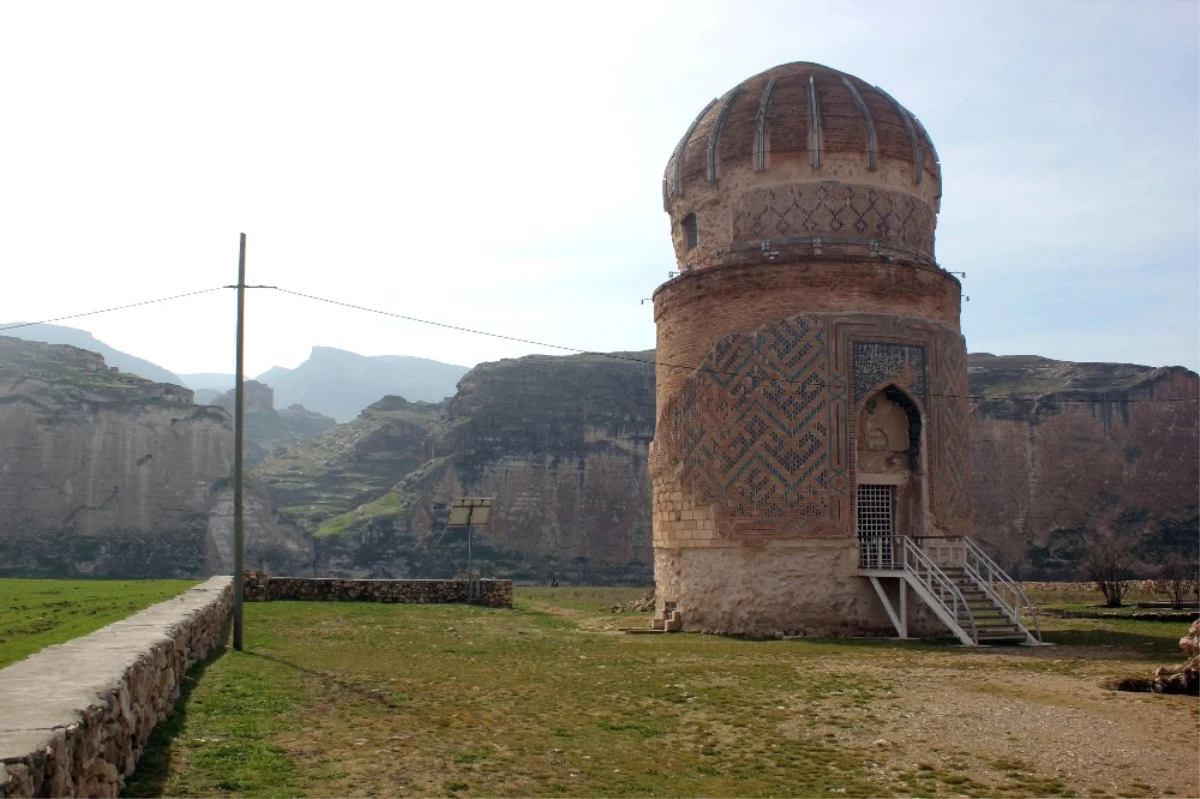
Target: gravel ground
column 1011, row 714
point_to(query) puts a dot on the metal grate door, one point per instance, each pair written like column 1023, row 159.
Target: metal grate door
column 876, row 526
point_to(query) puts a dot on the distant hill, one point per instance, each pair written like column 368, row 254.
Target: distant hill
column 206, row 396
column 56, row 334
column 341, row 384
column 272, row 375
column 216, row 381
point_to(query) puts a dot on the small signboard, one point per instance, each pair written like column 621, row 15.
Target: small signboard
column 470, row 512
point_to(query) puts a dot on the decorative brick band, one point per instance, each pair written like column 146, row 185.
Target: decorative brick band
column 75, row 717
column 891, row 218
column 261, row 588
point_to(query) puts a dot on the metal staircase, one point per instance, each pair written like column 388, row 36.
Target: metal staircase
column 966, row 590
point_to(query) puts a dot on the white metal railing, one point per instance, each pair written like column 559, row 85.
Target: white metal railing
column 878, row 552
column 946, row 551
column 937, row 584
column 1002, row 589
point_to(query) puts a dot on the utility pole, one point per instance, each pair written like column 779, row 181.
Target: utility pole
column 239, row 429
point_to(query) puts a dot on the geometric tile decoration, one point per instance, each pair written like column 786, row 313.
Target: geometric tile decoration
column 877, row 363
column 763, row 432
column 833, row 209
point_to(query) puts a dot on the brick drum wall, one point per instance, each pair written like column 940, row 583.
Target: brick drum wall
column 75, row 718
column 803, row 207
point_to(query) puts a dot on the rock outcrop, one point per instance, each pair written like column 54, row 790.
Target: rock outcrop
column 102, row 473
column 1059, row 448
column 1185, row 678
column 342, row 384
column 560, row 442
column 267, row 428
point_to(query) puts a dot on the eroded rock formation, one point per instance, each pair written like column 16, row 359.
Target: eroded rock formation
column 560, row 442
column 102, row 473
column 1058, row 448
column 268, row 428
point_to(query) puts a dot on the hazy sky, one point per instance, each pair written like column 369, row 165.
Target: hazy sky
column 497, row 165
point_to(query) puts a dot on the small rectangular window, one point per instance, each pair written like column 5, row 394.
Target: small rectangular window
column 690, row 235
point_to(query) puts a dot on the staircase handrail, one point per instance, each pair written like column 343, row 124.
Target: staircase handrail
column 937, row 583
column 987, row 574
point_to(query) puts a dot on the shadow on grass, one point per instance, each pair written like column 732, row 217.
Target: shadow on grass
column 154, row 766
column 335, row 680
column 1138, row 644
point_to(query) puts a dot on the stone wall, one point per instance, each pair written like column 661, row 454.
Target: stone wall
column 259, row 587
column 75, row 717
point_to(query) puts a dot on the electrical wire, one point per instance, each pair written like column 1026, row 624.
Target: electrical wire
column 607, row 355
column 689, row 368
column 115, row 308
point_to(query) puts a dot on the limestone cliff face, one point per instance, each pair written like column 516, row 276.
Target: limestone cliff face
column 268, row 428
column 561, row 442
column 102, row 473
column 1061, row 448
column 562, row 445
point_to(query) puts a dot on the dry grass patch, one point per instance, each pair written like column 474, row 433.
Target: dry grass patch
column 546, row 700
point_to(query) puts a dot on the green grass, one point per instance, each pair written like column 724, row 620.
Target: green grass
column 37, row 613
column 387, row 505
column 548, row 699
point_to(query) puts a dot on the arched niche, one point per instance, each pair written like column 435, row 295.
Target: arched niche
column 889, row 463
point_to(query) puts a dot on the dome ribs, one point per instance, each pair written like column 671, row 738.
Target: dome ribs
column 815, row 116
column 917, row 152
column 695, row 152
column 797, row 123
column 760, row 127
column 872, row 142
column 738, row 130
column 714, row 135
column 841, row 119
column 789, row 117
column 936, row 166
column 677, row 156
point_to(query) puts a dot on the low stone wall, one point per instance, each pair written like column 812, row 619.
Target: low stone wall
column 259, row 587
column 75, row 717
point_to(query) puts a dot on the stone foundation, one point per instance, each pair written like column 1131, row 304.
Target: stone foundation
column 75, row 717
column 259, row 587
column 807, row 588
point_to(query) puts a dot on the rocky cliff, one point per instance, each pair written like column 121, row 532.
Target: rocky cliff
column 1059, row 448
column 268, row 428
column 102, row 473
column 341, row 384
column 560, row 442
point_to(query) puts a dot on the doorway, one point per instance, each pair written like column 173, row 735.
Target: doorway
column 876, row 526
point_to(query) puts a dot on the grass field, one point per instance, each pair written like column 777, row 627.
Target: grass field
column 37, row 613
column 548, row 699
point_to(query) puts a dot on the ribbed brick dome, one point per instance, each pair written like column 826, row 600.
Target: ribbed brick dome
column 802, row 160
column 799, row 110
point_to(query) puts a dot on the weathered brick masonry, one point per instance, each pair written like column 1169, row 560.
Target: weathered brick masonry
column 803, row 204
column 75, row 717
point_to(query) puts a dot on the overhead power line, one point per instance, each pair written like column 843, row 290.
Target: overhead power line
column 114, row 308
column 607, row 355
column 652, row 362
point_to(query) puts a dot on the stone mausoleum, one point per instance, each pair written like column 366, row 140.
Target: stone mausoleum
column 827, row 418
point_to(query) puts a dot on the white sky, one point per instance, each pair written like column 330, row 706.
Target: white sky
column 498, row 164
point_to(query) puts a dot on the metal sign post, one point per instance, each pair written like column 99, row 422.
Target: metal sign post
column 468, row 512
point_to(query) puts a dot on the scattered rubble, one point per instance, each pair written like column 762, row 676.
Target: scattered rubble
column 641, row 605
